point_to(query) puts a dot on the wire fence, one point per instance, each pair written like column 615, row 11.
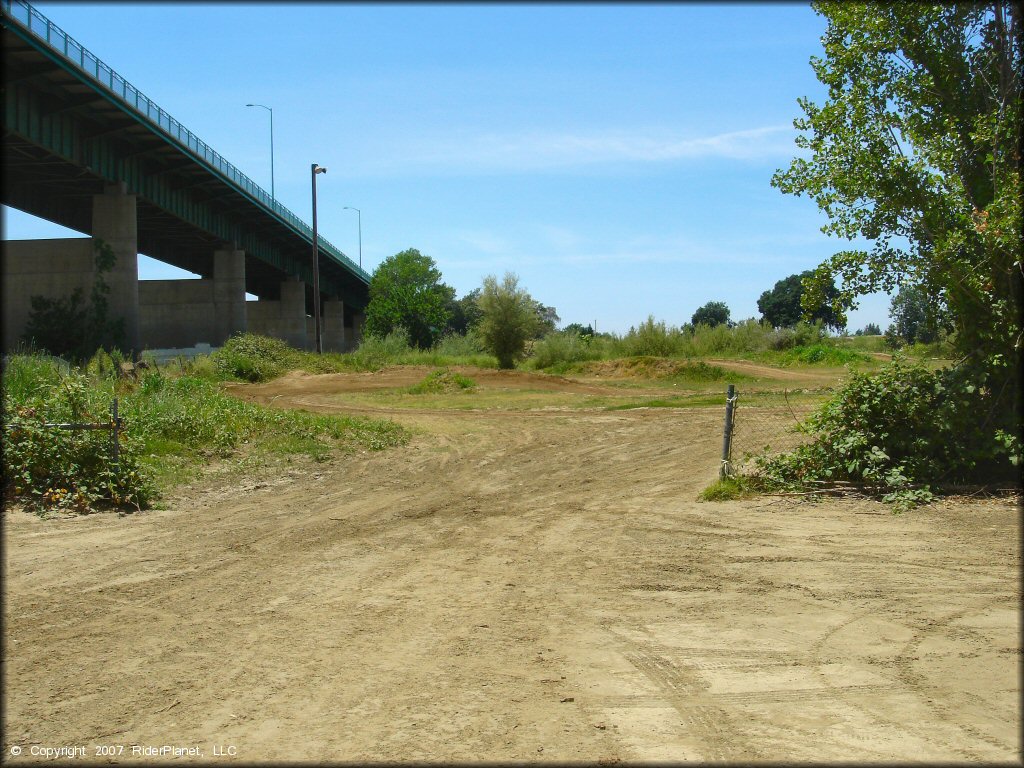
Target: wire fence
column 764, row 424
column 115, row 425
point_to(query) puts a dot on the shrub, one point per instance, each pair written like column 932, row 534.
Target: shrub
column 442, row 380
column 653, row 338
column 900, row 432
column 251, row 357
column 72, row 470
column 508, row 318
column 468, row 344
column 560, row 349
column 822, row 354
column 374, row 352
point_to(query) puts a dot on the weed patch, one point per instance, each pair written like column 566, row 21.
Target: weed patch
column 170, row 425
column 442, row 381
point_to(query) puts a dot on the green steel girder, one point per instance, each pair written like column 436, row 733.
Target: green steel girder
column 90, row 140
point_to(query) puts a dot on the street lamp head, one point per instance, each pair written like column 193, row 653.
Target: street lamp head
column 319, row 168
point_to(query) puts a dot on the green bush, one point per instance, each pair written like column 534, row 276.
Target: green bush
column 822, row 354
column 457, row 345
column 560, row 349
column 250, row 357
column 50, row 468
column 442, row 380
column 186, row 417
column 374, row 352
column 653, row 338
column 901, row 432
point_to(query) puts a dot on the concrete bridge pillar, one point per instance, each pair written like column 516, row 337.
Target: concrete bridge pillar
column 228, row 295
column 333, row 325
column 114, row 221
column 293, row 313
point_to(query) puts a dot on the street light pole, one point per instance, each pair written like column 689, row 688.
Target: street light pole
column 273, row 197
column 350, row 208
column 314, row 170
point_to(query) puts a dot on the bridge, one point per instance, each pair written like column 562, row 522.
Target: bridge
column 84, row 148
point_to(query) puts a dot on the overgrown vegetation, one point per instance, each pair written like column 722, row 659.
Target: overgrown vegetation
column 441, row 381
column 169, row 420
column 805, row 343
column 917, row 150
column 901, row 433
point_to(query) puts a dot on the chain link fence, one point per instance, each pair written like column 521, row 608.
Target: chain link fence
column 764, row 423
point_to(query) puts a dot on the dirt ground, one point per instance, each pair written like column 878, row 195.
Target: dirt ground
column 533, row 585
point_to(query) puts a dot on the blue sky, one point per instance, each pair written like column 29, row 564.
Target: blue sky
column 616, row 157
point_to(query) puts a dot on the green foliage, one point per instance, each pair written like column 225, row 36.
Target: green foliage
column 509, row 318
column 727, row 489
column 711, row 314
column 547, row 320
column 442, row 381
column 166, row 420
column 560, row 349
column 374, row 352
column 70, row 327
column 781, row 305
column 68, row 470
column 467, row 345
column 250, row 357
column 870, row 330
column 579, row 329
column 465, row 313
column 822, row 354
column 654, row 338
column 193, row 414
column 406, row 292
column 917, row 150
column 917, row 318
column 901, row 432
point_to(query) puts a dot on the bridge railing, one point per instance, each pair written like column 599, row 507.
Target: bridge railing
column 28, row 18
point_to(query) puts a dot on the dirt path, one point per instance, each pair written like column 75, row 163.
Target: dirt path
column 531, row 586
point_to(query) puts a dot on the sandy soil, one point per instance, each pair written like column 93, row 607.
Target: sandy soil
column 514, row 586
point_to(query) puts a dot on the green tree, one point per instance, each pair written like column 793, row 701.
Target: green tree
column 871, row 329
column 547, row 320
column 465, row 312
column 915, row 317
column 509, row 318
column 781, row 306
column 579, row 329
column 713, row 313
column 917, row 150
column 406, row 292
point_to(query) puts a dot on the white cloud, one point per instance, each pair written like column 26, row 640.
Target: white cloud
column 531, row 151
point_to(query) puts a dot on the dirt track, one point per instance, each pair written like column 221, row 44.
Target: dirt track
column 524, row 586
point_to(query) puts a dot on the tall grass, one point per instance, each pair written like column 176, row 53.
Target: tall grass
column 807, row 343
column 169, row 418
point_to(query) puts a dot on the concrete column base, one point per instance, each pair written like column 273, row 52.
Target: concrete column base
column 228, row 295
column 114, row 221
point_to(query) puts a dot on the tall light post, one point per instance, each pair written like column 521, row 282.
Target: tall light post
column 314, row 170
column 350, row 208
column 273, row 197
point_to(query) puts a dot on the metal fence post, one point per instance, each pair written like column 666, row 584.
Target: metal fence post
column 115, row 433
column 730, row 400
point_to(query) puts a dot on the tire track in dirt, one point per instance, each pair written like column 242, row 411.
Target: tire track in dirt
column 524, row 586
